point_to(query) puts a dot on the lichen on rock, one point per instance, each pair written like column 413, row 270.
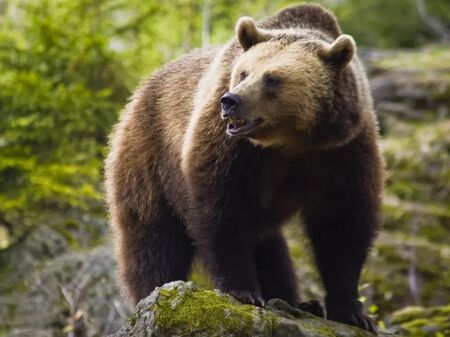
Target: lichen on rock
column 180, row 309
column 417, row 321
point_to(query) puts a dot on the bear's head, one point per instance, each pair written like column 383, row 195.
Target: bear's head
column 293, row 89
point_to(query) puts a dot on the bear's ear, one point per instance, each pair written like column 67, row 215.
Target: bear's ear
column 248, row 34
column 340, row 52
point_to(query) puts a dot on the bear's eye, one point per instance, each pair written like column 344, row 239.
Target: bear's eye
column 271, row 81
column 243, row 75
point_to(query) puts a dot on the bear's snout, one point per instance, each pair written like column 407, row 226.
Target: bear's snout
column 230, row 103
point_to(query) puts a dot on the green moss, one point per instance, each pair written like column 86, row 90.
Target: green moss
column 423, row 322
column 223, row 314
column 311, row 328
column 326, row 332
column 435, row 57
column 133, row 319
column 408, row 314
column 440, row 310
column 416, row 323
column 323, row 328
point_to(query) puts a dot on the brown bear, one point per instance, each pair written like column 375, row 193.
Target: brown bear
column 216, row 150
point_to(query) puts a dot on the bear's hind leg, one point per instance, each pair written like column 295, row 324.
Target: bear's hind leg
column 275, row 272
column 151, row 251
column 277, row 277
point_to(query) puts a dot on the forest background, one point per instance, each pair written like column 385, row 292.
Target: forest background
column 67, row 69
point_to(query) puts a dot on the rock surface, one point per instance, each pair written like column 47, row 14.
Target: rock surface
column 180, row 309
column 420, row 321
column 48, row 288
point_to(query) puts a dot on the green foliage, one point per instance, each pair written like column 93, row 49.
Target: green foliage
column 179, row 308
column 68, row 66
column 423, row 322
column 386, row 23
column 59, row 92
column 362, row 19
column 66, row 72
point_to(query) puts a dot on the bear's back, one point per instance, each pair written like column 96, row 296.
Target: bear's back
column 304, row 16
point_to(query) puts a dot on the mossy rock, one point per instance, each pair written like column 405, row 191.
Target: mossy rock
column 70, row 290
column 181, row 309
column 416, row 321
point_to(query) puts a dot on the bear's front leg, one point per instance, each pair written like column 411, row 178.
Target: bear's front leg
column 221, row 183
column 341, row 214
column 341, row 237
column 229, row 256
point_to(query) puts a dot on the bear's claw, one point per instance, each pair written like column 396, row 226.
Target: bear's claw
column 352, row 315
column 248, row 297
column 314, row 307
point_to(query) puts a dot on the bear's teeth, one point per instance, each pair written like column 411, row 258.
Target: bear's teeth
column 240, row 123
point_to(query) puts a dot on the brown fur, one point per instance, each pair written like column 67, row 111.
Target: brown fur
column 178, row 185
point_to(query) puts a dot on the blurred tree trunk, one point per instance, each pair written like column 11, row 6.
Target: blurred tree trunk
column 432, row 23
column 206, row 23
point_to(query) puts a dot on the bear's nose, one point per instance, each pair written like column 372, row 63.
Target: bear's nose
column 230, row 102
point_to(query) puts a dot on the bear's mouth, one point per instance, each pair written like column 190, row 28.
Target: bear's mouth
column 238, row 126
